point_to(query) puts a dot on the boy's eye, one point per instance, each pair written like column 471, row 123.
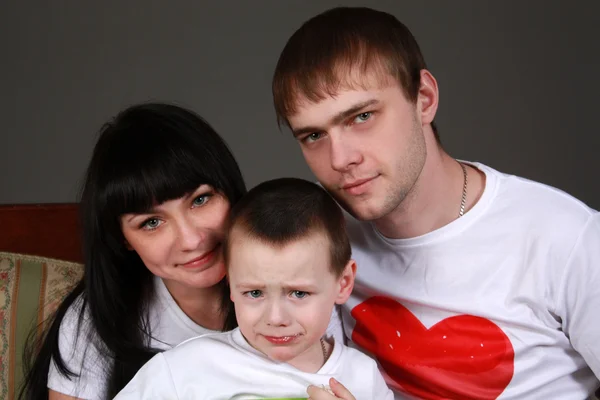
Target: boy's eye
column 299, row 294
column 254, row 293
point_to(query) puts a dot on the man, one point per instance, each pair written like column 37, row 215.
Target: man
column 470, row 283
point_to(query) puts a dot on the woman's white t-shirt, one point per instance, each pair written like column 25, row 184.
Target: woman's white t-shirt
column 169, row 326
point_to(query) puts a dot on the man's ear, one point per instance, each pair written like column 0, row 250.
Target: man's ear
column 427, row 101
column 346, row 282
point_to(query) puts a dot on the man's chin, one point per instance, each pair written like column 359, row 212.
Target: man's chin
column 366, row 215
column 363, row 211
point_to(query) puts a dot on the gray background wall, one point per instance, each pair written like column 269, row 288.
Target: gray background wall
column 518, row 79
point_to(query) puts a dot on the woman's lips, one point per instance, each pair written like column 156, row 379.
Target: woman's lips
column 202, row 260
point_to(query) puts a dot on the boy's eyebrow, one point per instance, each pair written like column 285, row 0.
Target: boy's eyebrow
column 339, row 117
column 286, row 286
column 250, row 285
column 302, row 285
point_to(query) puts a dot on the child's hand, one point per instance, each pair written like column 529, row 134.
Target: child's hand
column 340, row 392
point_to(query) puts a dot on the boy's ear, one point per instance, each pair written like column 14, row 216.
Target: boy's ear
column 346, row 282
column 229, row 286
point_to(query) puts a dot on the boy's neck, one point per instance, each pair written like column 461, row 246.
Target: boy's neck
column 313, row 359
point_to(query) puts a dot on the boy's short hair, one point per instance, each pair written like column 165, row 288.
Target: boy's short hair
column 282, row 210
column 321, row 56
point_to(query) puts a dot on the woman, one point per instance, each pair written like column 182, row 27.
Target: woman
column 156, row 195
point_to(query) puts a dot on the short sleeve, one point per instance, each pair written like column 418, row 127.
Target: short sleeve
column 82, row 357
column 580, row 299
column 153, row 381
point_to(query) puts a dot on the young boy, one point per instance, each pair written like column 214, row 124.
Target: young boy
column 288, row 261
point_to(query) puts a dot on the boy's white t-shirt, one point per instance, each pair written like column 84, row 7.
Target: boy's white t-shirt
column 501, row 303
column 82, row 353
column 225, row 366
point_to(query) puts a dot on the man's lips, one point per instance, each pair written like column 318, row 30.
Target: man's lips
column 358, row 186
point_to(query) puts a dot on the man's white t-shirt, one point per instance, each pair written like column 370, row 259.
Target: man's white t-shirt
column 169, row 325
column 503, row 302
column 225, row 366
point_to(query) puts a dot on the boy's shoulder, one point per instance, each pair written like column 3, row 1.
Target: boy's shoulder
column 206, row 339
column 203, row 345
column 352, row 355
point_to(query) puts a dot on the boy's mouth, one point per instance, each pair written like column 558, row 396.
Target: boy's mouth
column 280, row 339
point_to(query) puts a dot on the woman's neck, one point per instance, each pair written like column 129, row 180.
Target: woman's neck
column 202, row 305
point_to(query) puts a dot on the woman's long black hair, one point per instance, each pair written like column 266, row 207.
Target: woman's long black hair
column 148, row 154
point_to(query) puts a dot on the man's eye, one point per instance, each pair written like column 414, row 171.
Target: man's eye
column 312, row 137
column 362, row 117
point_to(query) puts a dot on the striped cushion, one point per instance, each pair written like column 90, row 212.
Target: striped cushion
column 30, row 290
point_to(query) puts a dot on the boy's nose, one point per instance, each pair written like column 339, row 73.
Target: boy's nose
column 276, row 314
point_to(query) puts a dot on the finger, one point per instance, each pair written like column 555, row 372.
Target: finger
column 340, row 390
column 317, row 393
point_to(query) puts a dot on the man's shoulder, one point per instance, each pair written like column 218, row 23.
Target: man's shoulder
column 530, row 199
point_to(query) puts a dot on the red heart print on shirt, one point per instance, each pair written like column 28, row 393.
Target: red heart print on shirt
column 460, row 357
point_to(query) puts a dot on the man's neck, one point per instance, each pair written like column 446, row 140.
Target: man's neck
column 435, row 199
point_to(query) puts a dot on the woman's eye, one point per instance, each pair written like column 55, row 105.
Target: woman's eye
column 151, row 224
column 200, row 200
column 299, row 294
column 363, row 117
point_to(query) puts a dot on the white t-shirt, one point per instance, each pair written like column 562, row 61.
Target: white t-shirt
column 169, row 325
column 224, row 366
column 502, row 302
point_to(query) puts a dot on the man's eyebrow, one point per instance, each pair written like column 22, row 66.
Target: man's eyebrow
column 341, row 116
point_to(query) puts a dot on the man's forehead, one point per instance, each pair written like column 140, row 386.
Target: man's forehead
column 332, row 105
column 353, row 81
column 342, row 97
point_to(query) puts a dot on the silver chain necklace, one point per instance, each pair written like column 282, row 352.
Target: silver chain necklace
column 324, row 351
column 463, row 201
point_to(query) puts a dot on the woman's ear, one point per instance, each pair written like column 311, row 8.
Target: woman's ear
column 346, row 282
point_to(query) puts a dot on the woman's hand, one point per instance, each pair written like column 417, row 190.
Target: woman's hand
column 316, row 393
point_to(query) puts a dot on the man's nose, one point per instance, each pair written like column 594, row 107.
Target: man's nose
column 344, row 153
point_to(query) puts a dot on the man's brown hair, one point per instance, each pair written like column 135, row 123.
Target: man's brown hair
column 322, row 55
